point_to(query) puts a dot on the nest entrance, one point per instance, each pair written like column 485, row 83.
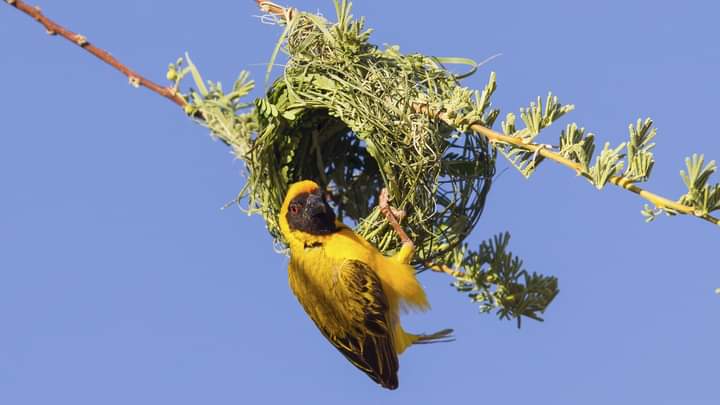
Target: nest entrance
column 329, row 153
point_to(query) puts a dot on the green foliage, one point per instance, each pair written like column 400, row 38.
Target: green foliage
column 535, row 119
column 635, row 156
column 495, row 279
column 607, row 164
column 640, row 158
column 577, row 146
column 701, row 196
column 219, row 111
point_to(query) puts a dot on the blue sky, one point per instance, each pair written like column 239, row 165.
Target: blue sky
column 122, row 281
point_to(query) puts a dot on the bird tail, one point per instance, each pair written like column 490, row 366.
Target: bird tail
column 404, row 339
column 444, row 335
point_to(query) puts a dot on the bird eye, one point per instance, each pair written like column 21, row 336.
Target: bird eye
column 294, row 208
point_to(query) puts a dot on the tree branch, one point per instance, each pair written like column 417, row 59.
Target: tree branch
column 135, row 79
column 170, row 93
column 622, row 182
column 542, row 150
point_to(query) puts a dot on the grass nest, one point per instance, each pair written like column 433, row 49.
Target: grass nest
column 354, row 118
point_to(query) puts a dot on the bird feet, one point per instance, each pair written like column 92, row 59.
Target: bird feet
column 394, row 216
column 385, row 206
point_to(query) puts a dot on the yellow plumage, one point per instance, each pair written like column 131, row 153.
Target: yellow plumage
column 349, row 289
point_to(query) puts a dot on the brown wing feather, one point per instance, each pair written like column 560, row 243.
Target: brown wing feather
column 363, row 333
column 371, row 344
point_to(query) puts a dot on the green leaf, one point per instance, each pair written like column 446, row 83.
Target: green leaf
column 577, row 146
column 324, row 83
column 703, row 197
column 607, row 165
column 459, row 61
column 639, row 155
column 495, row 279
column 196, row 76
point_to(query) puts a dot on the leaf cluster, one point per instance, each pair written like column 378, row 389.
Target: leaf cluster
column 495, row 279
column 624, row 165
column 536, row 118
column 701, row 197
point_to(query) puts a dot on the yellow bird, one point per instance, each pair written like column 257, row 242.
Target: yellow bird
column 349, row 289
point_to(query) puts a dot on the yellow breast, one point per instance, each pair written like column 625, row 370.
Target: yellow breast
column 317, row 260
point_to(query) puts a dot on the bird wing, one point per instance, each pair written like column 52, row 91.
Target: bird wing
column 363, row 334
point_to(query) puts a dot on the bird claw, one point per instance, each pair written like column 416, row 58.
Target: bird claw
column 399, row 214
column 383, row 201
column 386, row 207
column 393, row 216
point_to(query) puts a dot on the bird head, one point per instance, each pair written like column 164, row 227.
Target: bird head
column 306, row 210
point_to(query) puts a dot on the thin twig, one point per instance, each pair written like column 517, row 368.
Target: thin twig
column 134, row 78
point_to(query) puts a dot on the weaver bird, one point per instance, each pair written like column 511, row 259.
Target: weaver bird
column 349, row 289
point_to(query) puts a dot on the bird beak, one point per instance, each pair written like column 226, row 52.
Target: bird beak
column 315, row 205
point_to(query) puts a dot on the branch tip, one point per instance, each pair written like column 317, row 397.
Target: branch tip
column 135, row 79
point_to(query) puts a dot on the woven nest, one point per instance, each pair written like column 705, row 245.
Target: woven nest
column 347, row 115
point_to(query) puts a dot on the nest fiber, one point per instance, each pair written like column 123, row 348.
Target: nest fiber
column 354, row 118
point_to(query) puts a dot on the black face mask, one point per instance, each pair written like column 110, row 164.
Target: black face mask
column 310, row 213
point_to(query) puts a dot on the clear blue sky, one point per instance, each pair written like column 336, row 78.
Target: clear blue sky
column 122, row 281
